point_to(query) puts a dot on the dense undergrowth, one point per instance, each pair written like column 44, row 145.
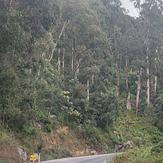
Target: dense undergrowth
column 148, row 140
column 64, row 141
column 69, row 67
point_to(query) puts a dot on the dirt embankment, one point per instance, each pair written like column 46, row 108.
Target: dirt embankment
column 8, row 151
column 62, row 138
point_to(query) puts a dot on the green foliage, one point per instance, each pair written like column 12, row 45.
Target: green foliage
column 142, row 155
column 29, row 129
column 137, row 129
column 48, row 127
column 40, row 116
column 158, row 111
column 55, row 153
column 158, row 148
column 65, row 62
column 147, row 139
column 105, row 102
column 100, row 139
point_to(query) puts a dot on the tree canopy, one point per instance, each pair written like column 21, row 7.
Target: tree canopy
column 80, row 61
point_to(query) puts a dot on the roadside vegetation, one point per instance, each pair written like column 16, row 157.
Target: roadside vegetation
column 81, row 77
column 147, row 139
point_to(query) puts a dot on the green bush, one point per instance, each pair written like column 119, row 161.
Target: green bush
column 140, row 155
column 95, row 137
column 48, row 127
column 155, row 139
column 55, row 153
column 137, row 142
column 40, row 116
column 29, row 129
column 158, row 148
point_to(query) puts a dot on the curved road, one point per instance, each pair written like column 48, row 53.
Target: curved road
column 105, row 158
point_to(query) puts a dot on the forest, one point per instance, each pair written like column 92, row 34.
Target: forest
column 82, row 64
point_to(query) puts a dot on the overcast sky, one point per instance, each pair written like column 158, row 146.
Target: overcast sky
column 128, row 5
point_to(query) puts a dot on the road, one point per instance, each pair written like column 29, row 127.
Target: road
column 105, row 158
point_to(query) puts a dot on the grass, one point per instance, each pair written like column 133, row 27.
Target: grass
column 146, row 137
column 137, row 129
column 140, row 155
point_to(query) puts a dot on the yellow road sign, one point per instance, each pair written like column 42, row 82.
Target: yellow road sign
column 33, row 157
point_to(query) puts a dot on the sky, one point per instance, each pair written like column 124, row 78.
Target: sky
column 128, row 5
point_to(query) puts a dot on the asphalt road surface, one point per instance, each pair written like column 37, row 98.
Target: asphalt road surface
column 105, row 158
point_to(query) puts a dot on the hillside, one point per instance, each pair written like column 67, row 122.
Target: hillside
column 80, row 76
column 147, row 140
column 67, row 142
column 62, row 142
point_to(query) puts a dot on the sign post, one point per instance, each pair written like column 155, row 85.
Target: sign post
column 33, row 157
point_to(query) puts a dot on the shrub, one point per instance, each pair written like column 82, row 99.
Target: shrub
column 158, row 148
column 55, row 153
column 95, row 137
column 29, row 129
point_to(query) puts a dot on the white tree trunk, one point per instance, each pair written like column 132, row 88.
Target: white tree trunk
column 138, row 91
column 63, row 61
column 155, row 84
column 62, row 31
column 148, row 83
column 39, row 70
column 155, row 79
column 127, row 87
column 72, row 59
column 59, row 61
column 30, row 70
column 77, row 68
column 93, row 79
column 118, row 78
column 128, row 104
column 88, row 89
column 78, row 65
column 52, row 53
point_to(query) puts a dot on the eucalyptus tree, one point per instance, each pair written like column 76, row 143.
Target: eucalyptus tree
column 24, row 40
column 131, row 57
column 151, row 20
column 76, row 13
column 83, row 36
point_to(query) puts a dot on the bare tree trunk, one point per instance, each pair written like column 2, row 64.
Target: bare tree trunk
column 77, row 68
column 93, row 78
column 62, row 31
column 78, row 65
column 63, row 61
column 118, row 78
column 30, row 70
column 128, row 101
column 52, row 53
column 59, row 61
column 72, row 59
column 127, row 87
column 138, row 91
column 88, row 89
column 39, row 70
column 155, row 79
column 148, row 83
column 152, row 80
column 155, row 84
